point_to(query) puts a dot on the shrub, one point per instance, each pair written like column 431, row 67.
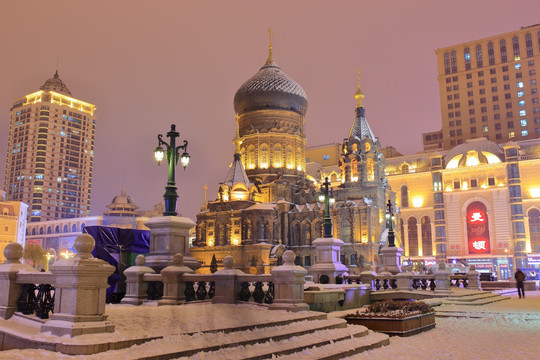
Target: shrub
column 403, row 306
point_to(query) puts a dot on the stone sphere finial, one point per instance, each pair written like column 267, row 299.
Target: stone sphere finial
column 178, row 259
column 140, row 260
column 288, row 257
column 84, row 244
column 228, row 262
column 13, row 252
column 442, row 266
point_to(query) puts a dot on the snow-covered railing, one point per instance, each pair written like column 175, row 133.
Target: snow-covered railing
column 259, row 288
column 459, row 281
column 206, row 287
column 37, row 293
column 75, row 288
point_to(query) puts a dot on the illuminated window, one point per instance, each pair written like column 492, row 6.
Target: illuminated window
column 289, row 158
column 367, row 147
column 327, row 157
column 520, row 84
column 467, row 59
column 511, row 134
column 534, row 229
column 523, row 122
column 404, row 196
column 520, row 93
column 524, row 133
column 370, row 170
column 522, row 112
column 518, row 66
column 251, row 157
column 521, row 103
column 278, row 156
column 264, row 157
column 479, row 62
column 485, row 128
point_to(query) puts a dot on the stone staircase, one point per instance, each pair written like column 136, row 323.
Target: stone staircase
column 309, row 338
column 476, row 298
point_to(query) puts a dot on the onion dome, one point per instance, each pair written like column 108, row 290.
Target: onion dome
column 55, row 84
column 270, row 88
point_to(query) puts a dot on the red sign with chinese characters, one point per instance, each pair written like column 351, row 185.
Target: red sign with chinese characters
column 477, row 229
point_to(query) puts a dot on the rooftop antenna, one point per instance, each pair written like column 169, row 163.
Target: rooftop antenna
column 57, row 62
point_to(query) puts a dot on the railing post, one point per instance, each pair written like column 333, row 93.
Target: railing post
column 136, row 287
column 289, row 282
column 173, row 285
column 10, row 290
column 404, row 280
column 225, row 279
column 81, row 284
column 473, row 278
column 366, row 278
column 442, row 279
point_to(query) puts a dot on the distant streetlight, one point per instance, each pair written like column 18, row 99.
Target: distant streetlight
column 390, row 217
column 172, row 156
column 327, row 196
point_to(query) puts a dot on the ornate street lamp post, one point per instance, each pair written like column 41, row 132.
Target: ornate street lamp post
column 326, row 195
column 172, row 156
column 390, row 217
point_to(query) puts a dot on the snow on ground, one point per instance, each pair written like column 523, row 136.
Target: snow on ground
column 507, row 329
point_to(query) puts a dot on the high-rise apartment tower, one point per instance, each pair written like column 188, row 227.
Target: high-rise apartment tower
column 488, row 88
column 50, row 153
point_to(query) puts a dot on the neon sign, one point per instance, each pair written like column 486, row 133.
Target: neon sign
column 478, row 229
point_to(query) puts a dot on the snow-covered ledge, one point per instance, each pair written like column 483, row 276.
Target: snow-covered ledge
column 80, row 283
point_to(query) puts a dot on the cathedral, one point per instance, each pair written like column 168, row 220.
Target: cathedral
column 269, row 200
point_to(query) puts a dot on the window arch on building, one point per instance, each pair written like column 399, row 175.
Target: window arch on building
column 251, row 161
column 278, row 156
column 405, row 168
column 333, row 177
column 317, row 229
column 427, row 245
column 66, row 228
column 491, row 54
column 453, row 61
column 82, row 226
column 479, row 60
column 264, row 158
column 502, row 45
column 467, row 56
column 515, row 48
column 74, row 228
column 34, row 231
column 57, row 229
column 295, row 234
column 447, row 63
column 367, row 147
column 370, row 170
column 289, row 158
column 404, row 196
column 298, row 159
column 534, row 229
column 529, row 45
column 49, row 230
column 412, row 234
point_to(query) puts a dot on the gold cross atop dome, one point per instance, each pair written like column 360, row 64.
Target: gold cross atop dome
column 270, row 57
column 359, row 95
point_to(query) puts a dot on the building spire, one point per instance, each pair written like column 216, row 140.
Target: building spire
column 359, row 96
column 237, row 141
column 205, row 203
column 270, row 56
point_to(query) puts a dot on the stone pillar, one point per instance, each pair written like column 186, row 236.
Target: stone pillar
column 473, row 279
column 225, row 279
column 136, row 287
column 169, row 235
column 11, row 291
column 328, row 263
column 366, row 278
column 81, row 283
column 404, row 280
column 420, row 240
column 173, row 285
column 406, row 238
column 442, row 279
column 289, row 282
column 391, row 258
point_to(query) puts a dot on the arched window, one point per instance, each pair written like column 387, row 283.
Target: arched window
column 251, row 157
column 491, row 54
column 41, row 231
column 405, row 169
column 367, row 147
column 370, row 171
column 413, row 236
column 264, row 157
column 467, row 55
column 49, row 230
column 515, row 48
column 502, row 45
column 529, row 45
column 278, row 156
column 298, row 159
column 57, row 229
column 74, row 228
column 82, row 226
column 427, row 247
column 333, row 177
column 479, row 61
column 295, row 234
column 404, row 196
column 534, row 230
column 34, row 231
column 453, row 62
column 446, row 63
column 289, row 158
column 354, row 170
column 66, row 228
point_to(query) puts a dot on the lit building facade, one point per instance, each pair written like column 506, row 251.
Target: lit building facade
column 269, row 199
column 12, row 224
column 488, row 88
column 50, row 153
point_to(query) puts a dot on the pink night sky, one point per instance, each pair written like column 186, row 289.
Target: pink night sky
column 147, row 65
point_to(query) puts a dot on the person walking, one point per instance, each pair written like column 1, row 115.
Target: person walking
column 520, row 283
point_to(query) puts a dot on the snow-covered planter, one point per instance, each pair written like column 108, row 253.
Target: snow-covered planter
column 395, row 317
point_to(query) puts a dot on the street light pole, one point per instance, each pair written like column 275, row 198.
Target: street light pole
column 390, row 218
column 326, row 196
column 172, row 156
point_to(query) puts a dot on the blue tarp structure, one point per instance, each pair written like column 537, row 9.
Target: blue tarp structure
column 115, row 245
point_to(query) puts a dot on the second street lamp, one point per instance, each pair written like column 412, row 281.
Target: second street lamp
column 172, row 154
column 326, row 196
column 390, row 217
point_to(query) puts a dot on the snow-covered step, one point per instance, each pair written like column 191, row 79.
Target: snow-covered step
column 297, row 345
column 477, row 302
